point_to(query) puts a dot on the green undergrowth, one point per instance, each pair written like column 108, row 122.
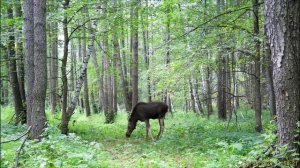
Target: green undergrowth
column 188, row 141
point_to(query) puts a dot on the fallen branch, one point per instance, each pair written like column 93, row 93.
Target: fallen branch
column 21, row 147
column 29, row 128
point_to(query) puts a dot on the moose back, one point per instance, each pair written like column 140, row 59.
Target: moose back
column 145, row 111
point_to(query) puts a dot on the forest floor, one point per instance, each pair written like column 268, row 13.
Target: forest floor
column 188, row 141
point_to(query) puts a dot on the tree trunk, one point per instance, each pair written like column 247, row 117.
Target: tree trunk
column 257, row 95
column 221, row 103
column 65, row 115
column 72, row 72
column 64, row 63
column 228, row 85
column 269, row 76
column 284, row 39
column 208, row 91
column 118, row 62
column 29, row 55
column 85, row 83
column 20, row 55
column 38, row 118
column 99, row 78
column 79, row 82
column 134, row 60
column 18, row 105
column 198, row 105
column 108, row 88
column 54, row 68
column 94, row 105
column 192, row 102
column 221, row 73
column 146, row 49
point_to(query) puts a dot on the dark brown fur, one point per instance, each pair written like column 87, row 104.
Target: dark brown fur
column 145, row 111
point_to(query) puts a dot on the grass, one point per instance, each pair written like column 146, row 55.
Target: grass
column 188, row 141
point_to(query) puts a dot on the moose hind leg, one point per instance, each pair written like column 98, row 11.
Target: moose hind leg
column 148, row 129
column 161, row 127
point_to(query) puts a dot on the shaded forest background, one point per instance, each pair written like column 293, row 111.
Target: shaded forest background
column 214, row 59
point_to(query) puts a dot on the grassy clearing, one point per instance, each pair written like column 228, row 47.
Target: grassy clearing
column 188, row 141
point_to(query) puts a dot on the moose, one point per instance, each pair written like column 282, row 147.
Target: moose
column 145, row 111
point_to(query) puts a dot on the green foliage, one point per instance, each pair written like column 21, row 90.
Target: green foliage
column 267, row 153
column 188, row 141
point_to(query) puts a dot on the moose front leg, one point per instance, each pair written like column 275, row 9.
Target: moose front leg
column 161, row 127
column 148, row 129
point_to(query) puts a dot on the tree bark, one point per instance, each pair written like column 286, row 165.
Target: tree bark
column 38, row 117
column 228, row 85
column 221, row 103
column 198, row 104
column 108, row 87
column 257, row 94
column 54, row 68
column 64, row 63
column 146, row 49
column 117, row 58
column 284, row 39
column 18, row 105
column 269, row 76
column 29, row 55
column 192, row 102
column 134, row 60
column 79, row 82
column 208, row 91
column 99, row 79
column 94, row 105
column 20, row 55
column 65, row 115
column 221, row 73
column 85, row 83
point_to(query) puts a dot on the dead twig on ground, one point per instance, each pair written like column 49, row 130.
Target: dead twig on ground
column 21, row 147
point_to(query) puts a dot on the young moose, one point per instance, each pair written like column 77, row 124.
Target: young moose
column 145, row 111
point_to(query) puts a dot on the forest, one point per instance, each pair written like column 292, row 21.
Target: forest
column 85, row 82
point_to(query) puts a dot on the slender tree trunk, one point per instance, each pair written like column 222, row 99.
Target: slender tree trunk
column 118, row 62
column 85, row 83
column 235, row 82
column 65, row 115
column 208, row 91
column 29, row 55
column 146, row 49
column 257, row 95
column 168, row 58
column 103, row 78
column 134, row 64
column 20, row 55
column 18, row 105
column 38, row 117
column 228, row 85
column 54, row 68
column 108, row 87
column 73, row 57
column 221, row 103
column 99, row 78
column 192, row 102
column 79, row 82
column 284, row 37
column 198, row 104
column 95, row 108
column 121, row 73
column 221, row 73
column 269, row 76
